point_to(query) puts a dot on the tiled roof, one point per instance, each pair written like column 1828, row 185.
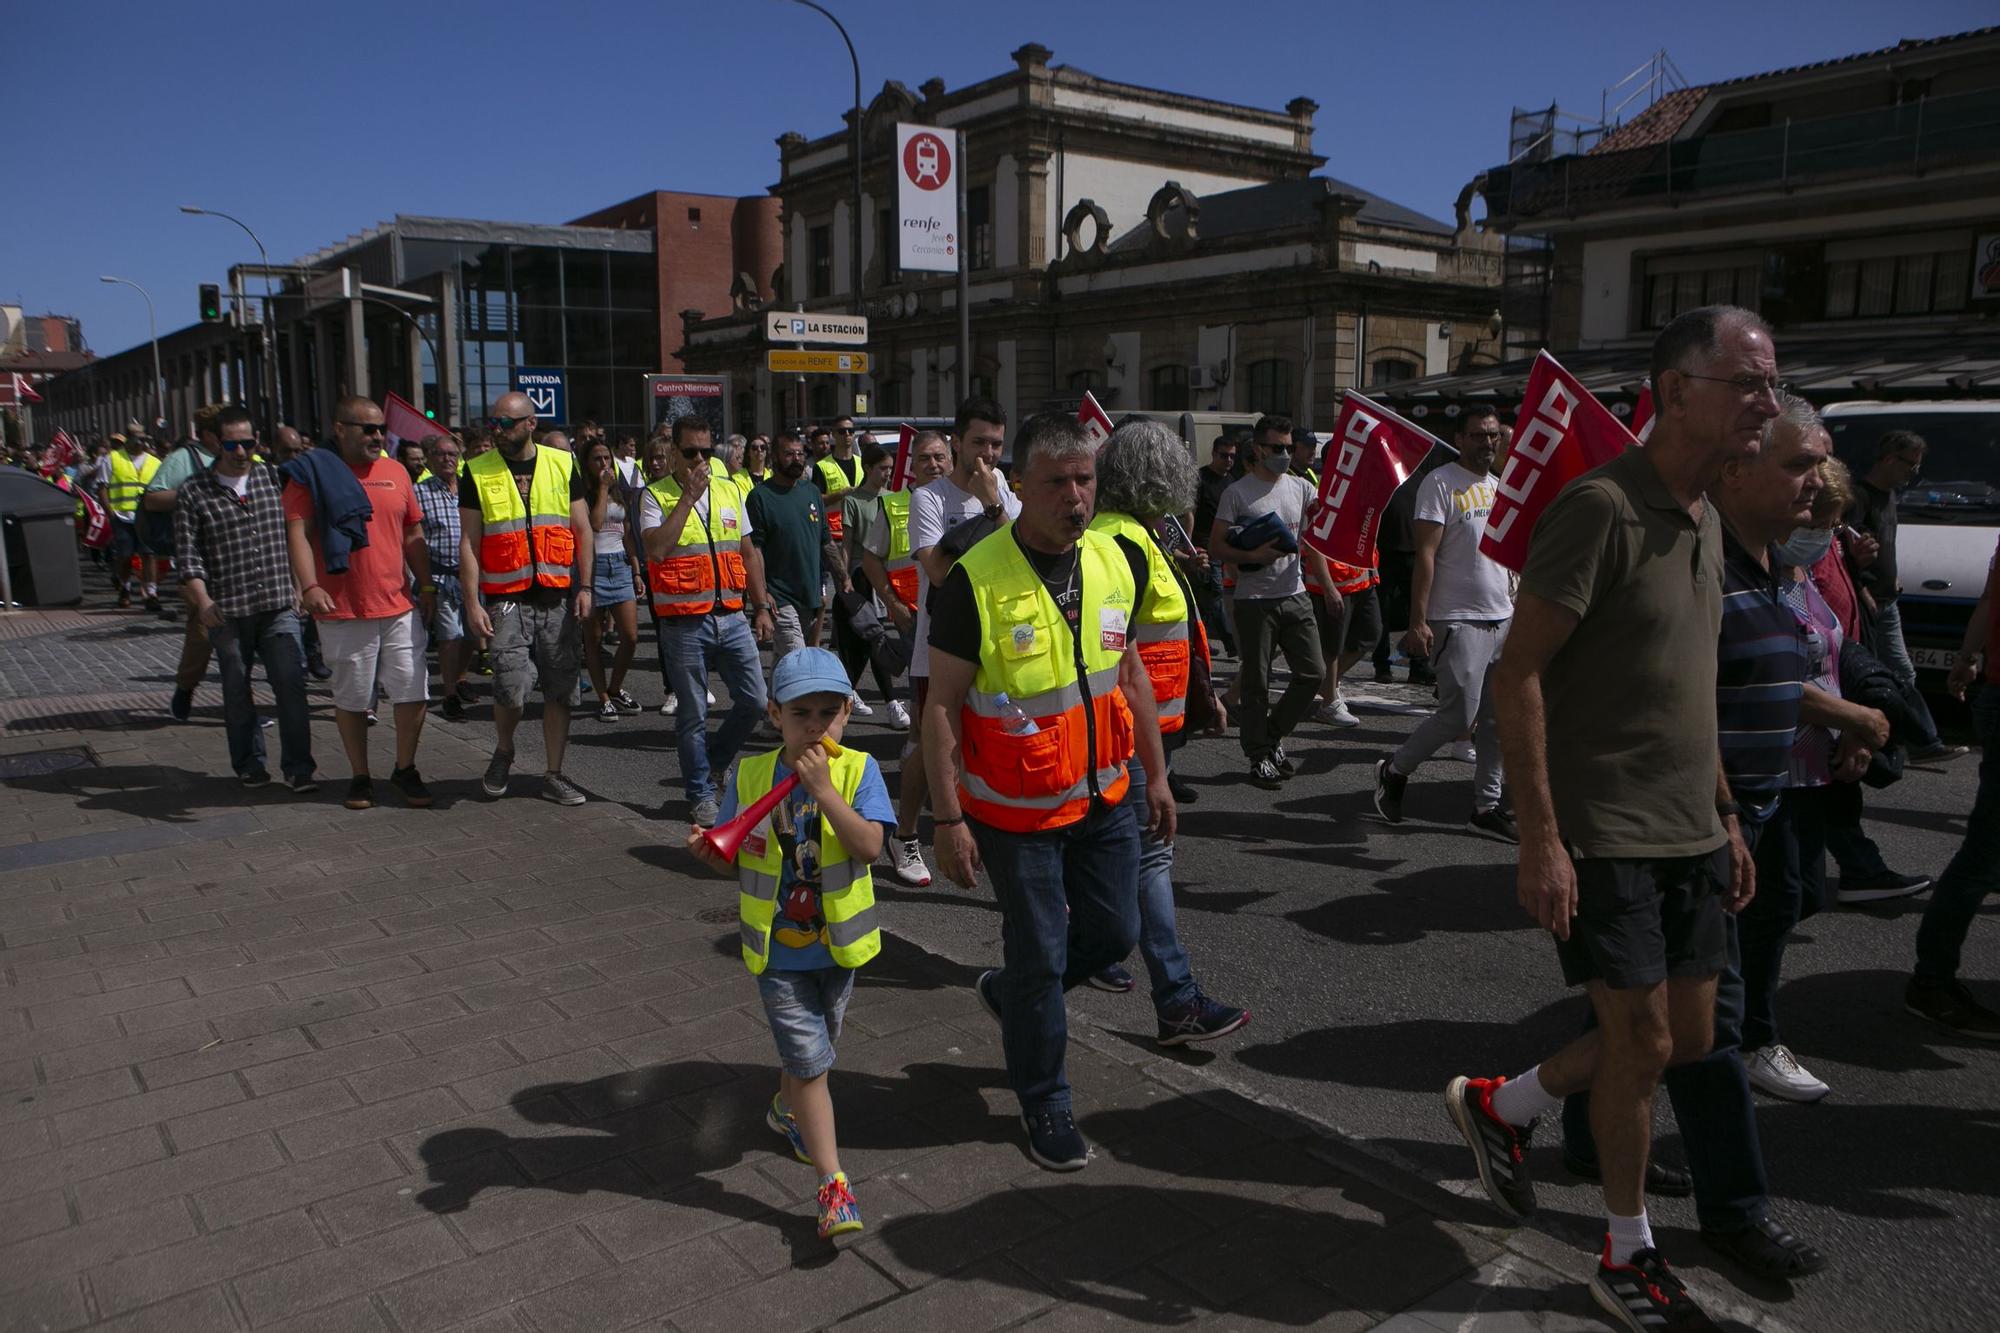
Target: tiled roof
column 1284, row 206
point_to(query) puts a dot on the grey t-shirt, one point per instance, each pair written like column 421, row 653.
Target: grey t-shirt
column 1286, row 497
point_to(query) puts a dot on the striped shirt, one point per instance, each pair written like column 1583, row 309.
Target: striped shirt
column 438, row 498
column 1760, row 679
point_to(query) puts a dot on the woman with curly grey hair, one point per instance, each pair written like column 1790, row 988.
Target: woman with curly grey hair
column 1145, row 480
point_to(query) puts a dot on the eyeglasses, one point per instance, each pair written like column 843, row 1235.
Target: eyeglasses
column 233, row 445
column 843, row 430
column 1747, row 386
column 506, row 423
column 692, row 454
column 365, row 427
column 1484, row 436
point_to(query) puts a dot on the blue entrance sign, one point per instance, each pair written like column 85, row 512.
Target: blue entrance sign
column 547, row 391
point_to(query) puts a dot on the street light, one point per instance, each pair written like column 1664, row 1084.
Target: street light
column 270, row 368
column 153, row 326
column 854, row 229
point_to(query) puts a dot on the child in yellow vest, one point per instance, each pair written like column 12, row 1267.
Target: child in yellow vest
column 806, row 901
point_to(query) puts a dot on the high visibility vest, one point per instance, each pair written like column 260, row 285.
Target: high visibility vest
column 846, row 889
column 902, row 565
column 128, row 482
column 522, row 547
column 838, row 483
column 1161, row 627
column 1066, row 684
column 705, row 568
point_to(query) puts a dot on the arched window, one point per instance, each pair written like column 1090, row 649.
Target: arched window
column 1391, row 370
column 1169, row 390
column 1269, row 387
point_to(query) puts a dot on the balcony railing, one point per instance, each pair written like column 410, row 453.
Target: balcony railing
column 1892, row 140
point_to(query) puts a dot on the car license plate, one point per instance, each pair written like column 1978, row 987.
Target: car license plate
column 1932, row 659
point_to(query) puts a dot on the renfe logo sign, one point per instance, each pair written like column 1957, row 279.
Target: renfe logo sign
column 926, row 200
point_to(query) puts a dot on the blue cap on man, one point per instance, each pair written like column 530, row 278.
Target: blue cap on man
column 808, row 671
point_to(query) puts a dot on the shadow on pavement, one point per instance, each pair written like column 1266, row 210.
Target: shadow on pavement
column 1418, row 1055
column 158, row 792
column 1476, row 900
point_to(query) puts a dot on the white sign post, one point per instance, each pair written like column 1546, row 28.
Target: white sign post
column 927, row 169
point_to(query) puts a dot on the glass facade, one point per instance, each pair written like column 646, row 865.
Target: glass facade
column 588, row 313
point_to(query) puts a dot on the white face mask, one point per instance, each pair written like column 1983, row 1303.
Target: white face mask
column 1805, row 548
column 1278, row 461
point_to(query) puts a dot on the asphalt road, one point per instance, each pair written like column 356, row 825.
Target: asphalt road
column 1379, row 962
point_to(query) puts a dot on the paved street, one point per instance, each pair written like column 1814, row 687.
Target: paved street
column 273, row 1064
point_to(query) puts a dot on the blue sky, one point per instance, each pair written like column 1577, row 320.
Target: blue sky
column 311, row 121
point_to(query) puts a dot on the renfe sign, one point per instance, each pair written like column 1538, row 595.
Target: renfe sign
column 926, row 200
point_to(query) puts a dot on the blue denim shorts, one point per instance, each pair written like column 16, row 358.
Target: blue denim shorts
column 804, row 1010
column 449, row 622
column 611, row 579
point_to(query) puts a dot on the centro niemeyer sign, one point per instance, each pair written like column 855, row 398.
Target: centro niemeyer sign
column 802, row 327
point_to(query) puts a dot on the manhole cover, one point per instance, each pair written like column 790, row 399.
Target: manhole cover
column 44, row 762
column 717, row 916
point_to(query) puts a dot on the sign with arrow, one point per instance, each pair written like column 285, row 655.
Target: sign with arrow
column 547, row 390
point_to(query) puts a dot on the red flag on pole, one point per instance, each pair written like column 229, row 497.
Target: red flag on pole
column 92, row 523
column 1563, row 432
column 899, row 476
column 15, row 391
column 1378, row 451
column 1642, row 414
column 63, row 450
column 1096, row 421
column 405, row 423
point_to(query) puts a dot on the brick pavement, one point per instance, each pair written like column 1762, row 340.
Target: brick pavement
column 269, row 1064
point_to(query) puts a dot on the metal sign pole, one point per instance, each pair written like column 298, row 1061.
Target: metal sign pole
column 964, row 286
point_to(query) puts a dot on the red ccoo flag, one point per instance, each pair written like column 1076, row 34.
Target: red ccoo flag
column 1377, row 452
column 1096, row 421
column 405, row 423
column 1562, row 433
column 899, row 476
column 1642, row 414
column 63, row 450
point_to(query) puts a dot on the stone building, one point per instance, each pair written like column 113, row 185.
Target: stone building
column 1159, row 250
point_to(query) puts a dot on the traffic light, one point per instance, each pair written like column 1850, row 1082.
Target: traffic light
column 211, row 303
column 431, row 413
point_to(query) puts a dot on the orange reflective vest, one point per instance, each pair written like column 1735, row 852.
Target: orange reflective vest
column 837, row 481
column 1045, row 729
column 704, row 571
column 901, row 564
column 523, row 546
column 1161, row 627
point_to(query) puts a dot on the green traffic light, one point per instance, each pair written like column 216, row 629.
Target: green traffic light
column 431, row 412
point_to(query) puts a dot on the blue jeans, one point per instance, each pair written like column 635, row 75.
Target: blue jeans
column 1975, row 871
column 273, row 638
column 1069, row 908
column 1791, row 886
column 689, row 647
column 805, row 1010
column 1895, row 655
column 1159, row 943
column 1712, row 1103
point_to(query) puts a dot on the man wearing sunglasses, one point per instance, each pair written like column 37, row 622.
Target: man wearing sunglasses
column 229, row 530
column 371, row 632
column 524, row 550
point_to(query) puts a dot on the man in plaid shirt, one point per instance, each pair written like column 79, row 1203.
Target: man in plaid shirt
column 229, row 540
column 437, row 496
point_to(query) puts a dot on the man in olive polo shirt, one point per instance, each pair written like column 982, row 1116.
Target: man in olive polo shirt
column 1631, row 850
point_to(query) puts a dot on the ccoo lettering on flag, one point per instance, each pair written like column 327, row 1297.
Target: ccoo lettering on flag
column 1561, row 433
column 1375, row 451
column 899, row 476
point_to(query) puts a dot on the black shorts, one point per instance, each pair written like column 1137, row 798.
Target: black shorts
column 1639, row 922
column 1356, row 629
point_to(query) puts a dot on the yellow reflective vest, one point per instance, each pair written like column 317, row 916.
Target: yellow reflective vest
column 846, row 889
column 519, row 549
column 128, row 481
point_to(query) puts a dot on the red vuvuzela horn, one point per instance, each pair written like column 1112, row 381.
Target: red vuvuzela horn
column 726, row 838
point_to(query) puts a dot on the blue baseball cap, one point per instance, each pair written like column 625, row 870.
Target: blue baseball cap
column 809, row 671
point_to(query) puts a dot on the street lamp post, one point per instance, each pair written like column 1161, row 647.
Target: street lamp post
column 854, row 150
column 269, row 339
column 153, row 327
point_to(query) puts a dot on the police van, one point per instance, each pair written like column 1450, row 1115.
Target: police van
column 1948, row 519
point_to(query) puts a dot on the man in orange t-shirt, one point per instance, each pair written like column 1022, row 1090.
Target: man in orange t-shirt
column 370, row 630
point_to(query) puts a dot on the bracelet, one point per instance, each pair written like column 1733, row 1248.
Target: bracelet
column 308, row 588
column 947, row 823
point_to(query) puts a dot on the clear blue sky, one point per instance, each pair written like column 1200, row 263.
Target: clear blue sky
column 314, row 121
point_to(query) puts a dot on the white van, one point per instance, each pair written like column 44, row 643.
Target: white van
column 1948, row 520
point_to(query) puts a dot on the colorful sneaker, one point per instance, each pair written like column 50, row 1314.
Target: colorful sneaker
column 1499, row 1149
column 1645, row 1296
column 779, row 1118
column 1200, row 1019
column 839, row 1215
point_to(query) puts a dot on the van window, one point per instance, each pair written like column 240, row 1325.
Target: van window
column 1961, row 477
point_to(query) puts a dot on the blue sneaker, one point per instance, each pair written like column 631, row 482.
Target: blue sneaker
column 1053, row 1140
column 779, row 1118
column 1200, row 1019
column 1114, row 979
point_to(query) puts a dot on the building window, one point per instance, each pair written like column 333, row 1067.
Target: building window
column 1391, row 370
column 889, row 243
column 1677, row 285
column 982, row 386
column 888, row 398
column 1086, row 381
column 694, row 219
column 820, row 243
column 820, row 399
column 1878, row 286
column 1169, row 392
column 1270, row 387
column 979, row 226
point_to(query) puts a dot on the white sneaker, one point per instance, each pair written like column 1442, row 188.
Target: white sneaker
column 711, row 697
column 899, row 715
column 1335, row 714
column 1463, row 751
column 1775, row 1072
column 671, row 706
column 859, row 706
column 909, row 862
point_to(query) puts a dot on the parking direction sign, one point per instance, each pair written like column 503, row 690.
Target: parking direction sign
column 787, row 326
column 547, row 390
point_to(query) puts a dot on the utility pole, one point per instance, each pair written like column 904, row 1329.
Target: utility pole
column 153, row 328
column 269, row 377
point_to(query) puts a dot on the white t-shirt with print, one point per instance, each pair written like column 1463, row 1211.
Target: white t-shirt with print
column 1466, row 584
